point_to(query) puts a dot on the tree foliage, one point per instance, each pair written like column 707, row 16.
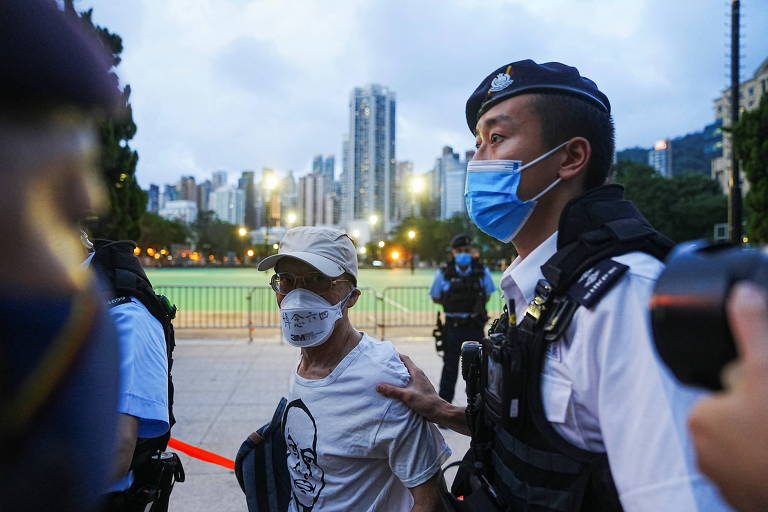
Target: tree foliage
column 158, row 232
column 127, row 202
column 750, row 136
column 683, row 207
column 217, row 237
column 433, row 238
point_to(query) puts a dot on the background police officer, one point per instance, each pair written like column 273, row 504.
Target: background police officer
column 462, row 286
column 590, row 419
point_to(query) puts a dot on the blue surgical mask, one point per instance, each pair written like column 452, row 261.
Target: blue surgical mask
column 491, row 195
column 463, row 259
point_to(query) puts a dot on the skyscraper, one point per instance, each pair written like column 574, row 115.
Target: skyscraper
column 153, row 198
column 204, row 190
column 247, row 185
column 660, row 157
column 368, row 175
column 220, row 179
column 312, row 193
column 228, row 204
column 452, row 175
column 186, row 190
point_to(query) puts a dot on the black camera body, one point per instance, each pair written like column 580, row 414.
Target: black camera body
column 690, row 325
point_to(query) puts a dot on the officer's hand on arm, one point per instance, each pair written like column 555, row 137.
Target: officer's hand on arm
column 729, row 429
column 426, row 497
column 420, row 396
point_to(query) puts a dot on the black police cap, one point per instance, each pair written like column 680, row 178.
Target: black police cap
column 526, row 76
column 50, row 59
column 460, row 241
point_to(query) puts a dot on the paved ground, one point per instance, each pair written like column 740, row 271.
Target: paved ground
column 227, row 388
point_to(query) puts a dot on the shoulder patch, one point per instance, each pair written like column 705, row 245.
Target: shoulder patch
column 596, row 282
column 116, row 301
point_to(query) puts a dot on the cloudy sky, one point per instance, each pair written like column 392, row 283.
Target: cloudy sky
column 246, row 84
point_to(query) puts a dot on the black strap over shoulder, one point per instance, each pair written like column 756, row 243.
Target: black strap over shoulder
column 116, row 262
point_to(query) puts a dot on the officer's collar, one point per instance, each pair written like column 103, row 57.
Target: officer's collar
column 588, row 211
column 525, row 273
column 462, row 272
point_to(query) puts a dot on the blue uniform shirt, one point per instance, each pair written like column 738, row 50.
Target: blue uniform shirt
column 143, row 391
column 440, row 286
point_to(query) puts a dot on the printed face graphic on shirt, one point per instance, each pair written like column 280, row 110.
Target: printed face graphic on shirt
column 307, row 477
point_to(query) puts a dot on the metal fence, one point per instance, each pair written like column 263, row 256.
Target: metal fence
column 252, row 307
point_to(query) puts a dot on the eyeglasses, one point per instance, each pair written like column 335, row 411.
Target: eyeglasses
column 284, row 282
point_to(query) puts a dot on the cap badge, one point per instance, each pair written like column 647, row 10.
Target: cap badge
column 502, row 81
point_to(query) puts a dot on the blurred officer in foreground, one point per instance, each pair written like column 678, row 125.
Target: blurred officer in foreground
column 570, row 407
column 462, row 286
column 58, row 384
column 730, row 429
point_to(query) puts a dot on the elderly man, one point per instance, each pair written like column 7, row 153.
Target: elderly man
column 349, row 448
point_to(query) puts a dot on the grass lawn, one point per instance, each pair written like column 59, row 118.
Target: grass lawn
column 396, row 300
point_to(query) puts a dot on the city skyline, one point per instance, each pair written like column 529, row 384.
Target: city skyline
column 237, row 85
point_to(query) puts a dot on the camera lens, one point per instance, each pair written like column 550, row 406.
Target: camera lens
column 690, row 326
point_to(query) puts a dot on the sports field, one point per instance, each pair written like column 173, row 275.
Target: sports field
column 397, row 296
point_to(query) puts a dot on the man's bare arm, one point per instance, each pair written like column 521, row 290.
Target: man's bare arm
column 426, row 497
column 127, row 433
column 420, row 396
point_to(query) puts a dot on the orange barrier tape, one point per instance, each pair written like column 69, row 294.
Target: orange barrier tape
column 199, row 453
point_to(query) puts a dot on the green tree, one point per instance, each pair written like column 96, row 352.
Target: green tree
column 217, row 237
column 750, row 136
column 158, row 232
column 683, row 207
column 127, row 202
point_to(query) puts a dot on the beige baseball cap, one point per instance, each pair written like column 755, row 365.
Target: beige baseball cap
column 331, row 251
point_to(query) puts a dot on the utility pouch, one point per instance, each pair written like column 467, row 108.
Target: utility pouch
column 154, row 482
column 503, row 378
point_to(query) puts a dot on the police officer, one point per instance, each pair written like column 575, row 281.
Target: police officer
column 573, row 409
column 58, row 383
column 462, row 286
column 143, row 472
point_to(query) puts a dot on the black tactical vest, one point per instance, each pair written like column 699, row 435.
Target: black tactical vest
column 524, row 463
column 466, row 293
column 116, row 263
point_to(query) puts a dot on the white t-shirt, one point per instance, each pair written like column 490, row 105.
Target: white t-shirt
column 351, row 449
column 604, row 389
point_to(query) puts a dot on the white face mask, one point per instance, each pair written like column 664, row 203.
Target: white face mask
column 308, row 319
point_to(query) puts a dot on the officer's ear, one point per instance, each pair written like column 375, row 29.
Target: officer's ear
column 575, row 159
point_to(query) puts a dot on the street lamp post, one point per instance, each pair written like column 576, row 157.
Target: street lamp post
column 270, row 184
column 411, row 238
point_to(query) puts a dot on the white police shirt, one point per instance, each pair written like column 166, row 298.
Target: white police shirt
column 605, row 389
column 352, row 449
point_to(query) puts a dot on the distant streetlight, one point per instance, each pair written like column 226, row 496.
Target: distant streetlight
column 250, row 253
column 269, row 183
column 395, row 255
column 381, row 244
column 291, row 218
column 362, row 251
column 373, row 219
column 242, row 231
column 418, row 185
column 411, row 238
column 355, row 234
column 275, row 246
